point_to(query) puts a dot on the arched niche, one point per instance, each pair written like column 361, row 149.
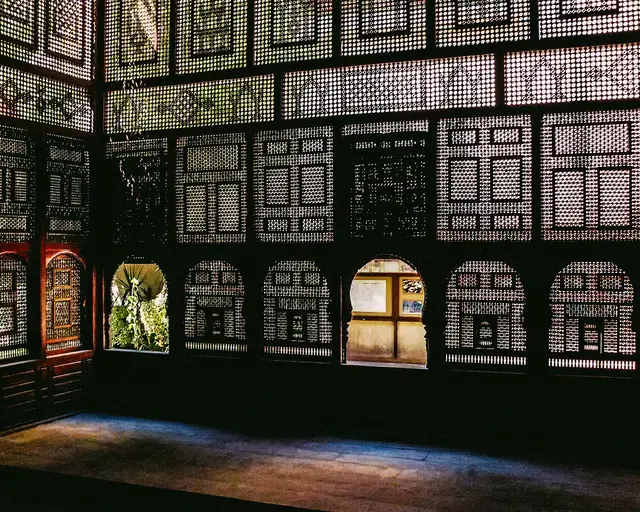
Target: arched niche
column 14, row 343
column 139, row 318
column 296, row 312
column 65, row 304
column 214, row 298
column 591, row 308
column 485, row 306
column 387, row 298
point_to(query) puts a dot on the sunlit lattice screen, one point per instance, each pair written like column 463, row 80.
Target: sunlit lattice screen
column 55, row 34
column 136, row 39
column 591, row 309
column 398, row 87
column 293, row 185
column 590, row 165
column 573, row 74
column 43, row 100
column 389, row 173
column 214, row 321
column 211, row 189
column 563, row 18
column 139, row 199
column 64, row 298
column 17, row 185
column 296, row 312
column 485, row 306
column 377, row 26
column 292, row 30
column 13, row 308
column 67, row 207
column 484, row 178
column 241, row 100
column 211, row 35
column 462, row 22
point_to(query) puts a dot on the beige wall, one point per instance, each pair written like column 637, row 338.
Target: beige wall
column 372, row 340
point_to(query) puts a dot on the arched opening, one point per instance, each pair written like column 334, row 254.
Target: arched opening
column 138, row 319
column 387, row 298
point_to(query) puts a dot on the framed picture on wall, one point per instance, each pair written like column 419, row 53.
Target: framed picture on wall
column 371, row 296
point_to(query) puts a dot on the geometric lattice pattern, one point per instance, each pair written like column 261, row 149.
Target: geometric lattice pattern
column 54, row 34
column 43, row 100
column 389, row 182
column 293, row 185
column 485, row 306
column 139, row 201
column 136, row 39
column 13, row 308
column 462, row 22
column 238, row 100
column 590, row 171
column 296, row 312
column 214, row 321
column 67, row 207
column 484, row 179
column 17, row 185
column 292, row 30
column 211, row 35
column 395, row 87
column 64, row 297
column 591, row 309
column 566, row 18
column 378, row 26
column 211, row 189
column 592, row 73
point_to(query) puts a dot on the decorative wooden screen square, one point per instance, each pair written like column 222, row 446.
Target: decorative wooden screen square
column 293, row 185
column 17, row 185
column 68, row 190
column 211, row 189
column 591, row 309
column 139, row 201
column 14, row 343
column 214, row 320
column 296, row 316
column 484, row 178
column 485, row 306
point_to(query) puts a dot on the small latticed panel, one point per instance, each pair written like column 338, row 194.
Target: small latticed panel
column 17, row 185
column 293, row 185
column 214, row 322
column 485, row 306
column 462, row 22
column 13, row 308
column 397, row 87
column 296, row 312
column 64, row 297
column 211, row 189
column 378, row 26
column 484, row 178
column 211, row 35
column 43, row 100
column 136, row 39
column 55, row 34
column 389, row 183
column 591, row 175
column 292, row 30
column 239, row 100
column 591, row 310
column 566, row 18
column 595, row 73
column 68, row 190
column 140, row 197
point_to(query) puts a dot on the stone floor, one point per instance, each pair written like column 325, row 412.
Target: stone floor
column 314, row 473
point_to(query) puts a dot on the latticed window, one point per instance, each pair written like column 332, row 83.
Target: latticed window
column 13, row 308
column 214, row 318
column 591, row 309
column 485, row 306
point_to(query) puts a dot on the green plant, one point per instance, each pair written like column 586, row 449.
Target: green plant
column 149, row 277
